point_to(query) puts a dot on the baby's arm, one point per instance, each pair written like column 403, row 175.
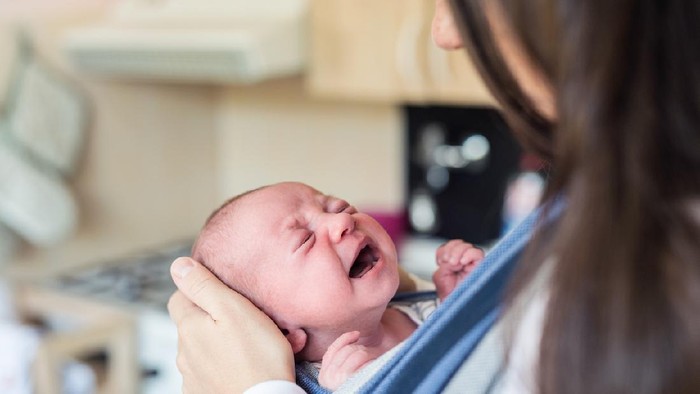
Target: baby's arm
column 455, row 260
column 342, row 359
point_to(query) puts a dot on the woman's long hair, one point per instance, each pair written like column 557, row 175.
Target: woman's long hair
column 624, row 293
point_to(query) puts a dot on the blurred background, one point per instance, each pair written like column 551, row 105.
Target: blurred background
column 123, row 124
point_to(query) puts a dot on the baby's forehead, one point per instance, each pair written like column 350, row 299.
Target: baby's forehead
column 275, row 205
column 293, row 194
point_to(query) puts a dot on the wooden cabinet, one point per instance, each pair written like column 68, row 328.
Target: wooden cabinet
column 383, row 51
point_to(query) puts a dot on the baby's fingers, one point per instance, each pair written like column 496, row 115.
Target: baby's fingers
column 472, row 255
column 342, row 359
column 347, row 361
column 356, row 360
column 451, row 252
column 339, row 344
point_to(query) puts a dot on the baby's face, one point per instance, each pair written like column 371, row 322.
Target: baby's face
column 320, row 263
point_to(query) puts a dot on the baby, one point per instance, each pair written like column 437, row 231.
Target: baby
column 321, row 270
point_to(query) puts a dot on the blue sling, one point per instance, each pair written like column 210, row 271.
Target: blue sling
column 438, row 348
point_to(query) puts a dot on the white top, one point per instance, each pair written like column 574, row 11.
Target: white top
column 275, row 387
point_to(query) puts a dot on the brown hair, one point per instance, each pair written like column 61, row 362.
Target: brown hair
column 624, row 295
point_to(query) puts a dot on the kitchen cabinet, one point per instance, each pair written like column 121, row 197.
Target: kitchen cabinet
column 383, row 51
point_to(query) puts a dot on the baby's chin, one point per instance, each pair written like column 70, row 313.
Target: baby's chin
column 392, row 285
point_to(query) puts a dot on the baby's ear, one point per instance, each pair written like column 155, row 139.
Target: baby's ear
column 296, row 337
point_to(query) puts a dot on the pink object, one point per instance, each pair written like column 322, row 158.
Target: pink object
column 394, row 222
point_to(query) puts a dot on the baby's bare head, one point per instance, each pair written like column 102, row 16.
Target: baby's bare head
column 219, row 249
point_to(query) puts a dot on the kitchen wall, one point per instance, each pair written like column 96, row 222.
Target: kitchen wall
column 159, row 157
column 274, row 132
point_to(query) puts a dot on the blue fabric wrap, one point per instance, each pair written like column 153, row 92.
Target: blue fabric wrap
column 308, row 381
column 438, row 348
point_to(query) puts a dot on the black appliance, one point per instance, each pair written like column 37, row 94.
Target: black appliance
column 460, row 160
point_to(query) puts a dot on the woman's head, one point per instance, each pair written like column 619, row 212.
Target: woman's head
column 528, row 75
column 624, row 146
column 515, row 78
column 596, row 65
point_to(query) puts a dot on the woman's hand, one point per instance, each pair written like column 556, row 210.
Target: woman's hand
column 226, row 344
column 455, row 260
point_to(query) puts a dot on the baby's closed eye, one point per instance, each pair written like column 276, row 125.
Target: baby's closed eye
column 306, row 239
column 340, row 206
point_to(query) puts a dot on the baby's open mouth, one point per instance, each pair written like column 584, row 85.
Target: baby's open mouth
column 364, row 262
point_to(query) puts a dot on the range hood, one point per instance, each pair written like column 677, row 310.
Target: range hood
column 217, row 41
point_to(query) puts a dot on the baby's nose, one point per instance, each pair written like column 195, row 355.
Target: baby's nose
column 340, row 224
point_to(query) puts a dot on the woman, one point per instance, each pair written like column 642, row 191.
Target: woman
column 609, row 93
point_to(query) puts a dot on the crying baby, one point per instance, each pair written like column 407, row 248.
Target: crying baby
column 323, row 272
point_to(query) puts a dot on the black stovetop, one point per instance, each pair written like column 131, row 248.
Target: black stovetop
column 141, row 278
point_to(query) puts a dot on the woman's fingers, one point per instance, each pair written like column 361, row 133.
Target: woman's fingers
column 213, row 297
column 205, row 290
column 219, row 330
column 179, row 306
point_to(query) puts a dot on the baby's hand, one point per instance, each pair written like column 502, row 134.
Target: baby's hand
column 455, row 260
column 342, row 359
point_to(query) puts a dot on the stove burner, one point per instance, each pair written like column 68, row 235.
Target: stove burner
column 142, row 279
